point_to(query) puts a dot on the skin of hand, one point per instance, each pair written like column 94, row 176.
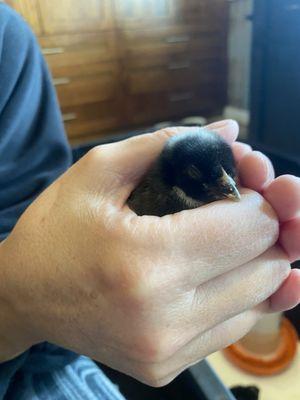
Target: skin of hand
column 283, row 193
column 147, row 296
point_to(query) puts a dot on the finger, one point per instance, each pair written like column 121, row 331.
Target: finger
column 161, row 372
column 256, row 171
column 138, row 153
column 240, row 150
column 228, row 129
column 215, row 238
column 288, row 295
column 123, row 164
column 221, row 336
column 284, row 196
column 233, row 293
column 115, row 169
column 213, row 306
column 290, row 238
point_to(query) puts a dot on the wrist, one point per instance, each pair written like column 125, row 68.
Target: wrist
column 14, row 335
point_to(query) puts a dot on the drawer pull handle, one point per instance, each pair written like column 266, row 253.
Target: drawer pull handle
column 178, row 39
column 49, row 51
column 69, row 117
column 61, row 81
column 179, row 65
column 293, row 7
column 177, row 97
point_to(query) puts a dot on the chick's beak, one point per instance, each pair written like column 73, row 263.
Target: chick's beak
column 229, row 187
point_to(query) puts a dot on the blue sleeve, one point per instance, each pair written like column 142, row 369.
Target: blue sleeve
column 33, row 146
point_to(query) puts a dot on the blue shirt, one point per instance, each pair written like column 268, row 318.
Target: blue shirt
column 33, row 153
column 33, row 146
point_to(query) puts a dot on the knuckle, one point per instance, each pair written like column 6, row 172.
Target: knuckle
column 133, row 280
column 279, row 263
column 129, row 282
column 98, row 155
column 152, row 376
column 164, row 134
column 267, row 219
column 136, row 281
column 281, row 271
column 139, row 280
column 95, row 154
column 157, row 347
column 168, row 132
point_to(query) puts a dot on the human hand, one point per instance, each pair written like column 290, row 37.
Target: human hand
column 145, row 295
column 283, row 193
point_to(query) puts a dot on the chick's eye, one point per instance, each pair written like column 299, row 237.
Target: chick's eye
column 194, row 173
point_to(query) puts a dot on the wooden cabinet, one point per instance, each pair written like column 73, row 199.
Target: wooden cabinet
column 172, row 77
column 202, row 11
column 92, row 120
column 142, row 13
column 62, row 16
column 121, row 63
column 29, row 10
column 160, row 106
column 79, row 54
column 72, row 16
column 138, row 13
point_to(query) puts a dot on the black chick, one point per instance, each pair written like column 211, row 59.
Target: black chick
column 192, row 170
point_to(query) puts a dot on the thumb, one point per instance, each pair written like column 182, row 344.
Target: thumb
column 126, row 162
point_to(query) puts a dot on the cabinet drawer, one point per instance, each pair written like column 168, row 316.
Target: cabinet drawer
column 157, row 107
column 78, row 50
column 135, row 14
column 85, row 90
column 86, row 70
column 92, row 118
column 163, row 40
column 175, row 76
column 73, row 16
column 204, row 11
column 176, row 60
column 169, row 50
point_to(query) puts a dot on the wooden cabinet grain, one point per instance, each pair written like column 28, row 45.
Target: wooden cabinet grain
column 79, row 54
column 121, row 63
column 138, row 13
column 75, row 15
column 63, row 16
column 84, row 121
column 29, row 9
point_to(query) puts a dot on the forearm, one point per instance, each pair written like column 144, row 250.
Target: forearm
column 14, row 336
column 33, row 153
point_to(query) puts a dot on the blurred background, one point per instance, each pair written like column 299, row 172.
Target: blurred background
column 122, row 67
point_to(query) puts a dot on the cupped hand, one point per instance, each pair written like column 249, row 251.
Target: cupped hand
column 145, row 295
column 283, row 193
column 256, row 172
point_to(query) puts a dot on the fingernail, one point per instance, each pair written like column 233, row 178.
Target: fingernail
column 222, row 124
